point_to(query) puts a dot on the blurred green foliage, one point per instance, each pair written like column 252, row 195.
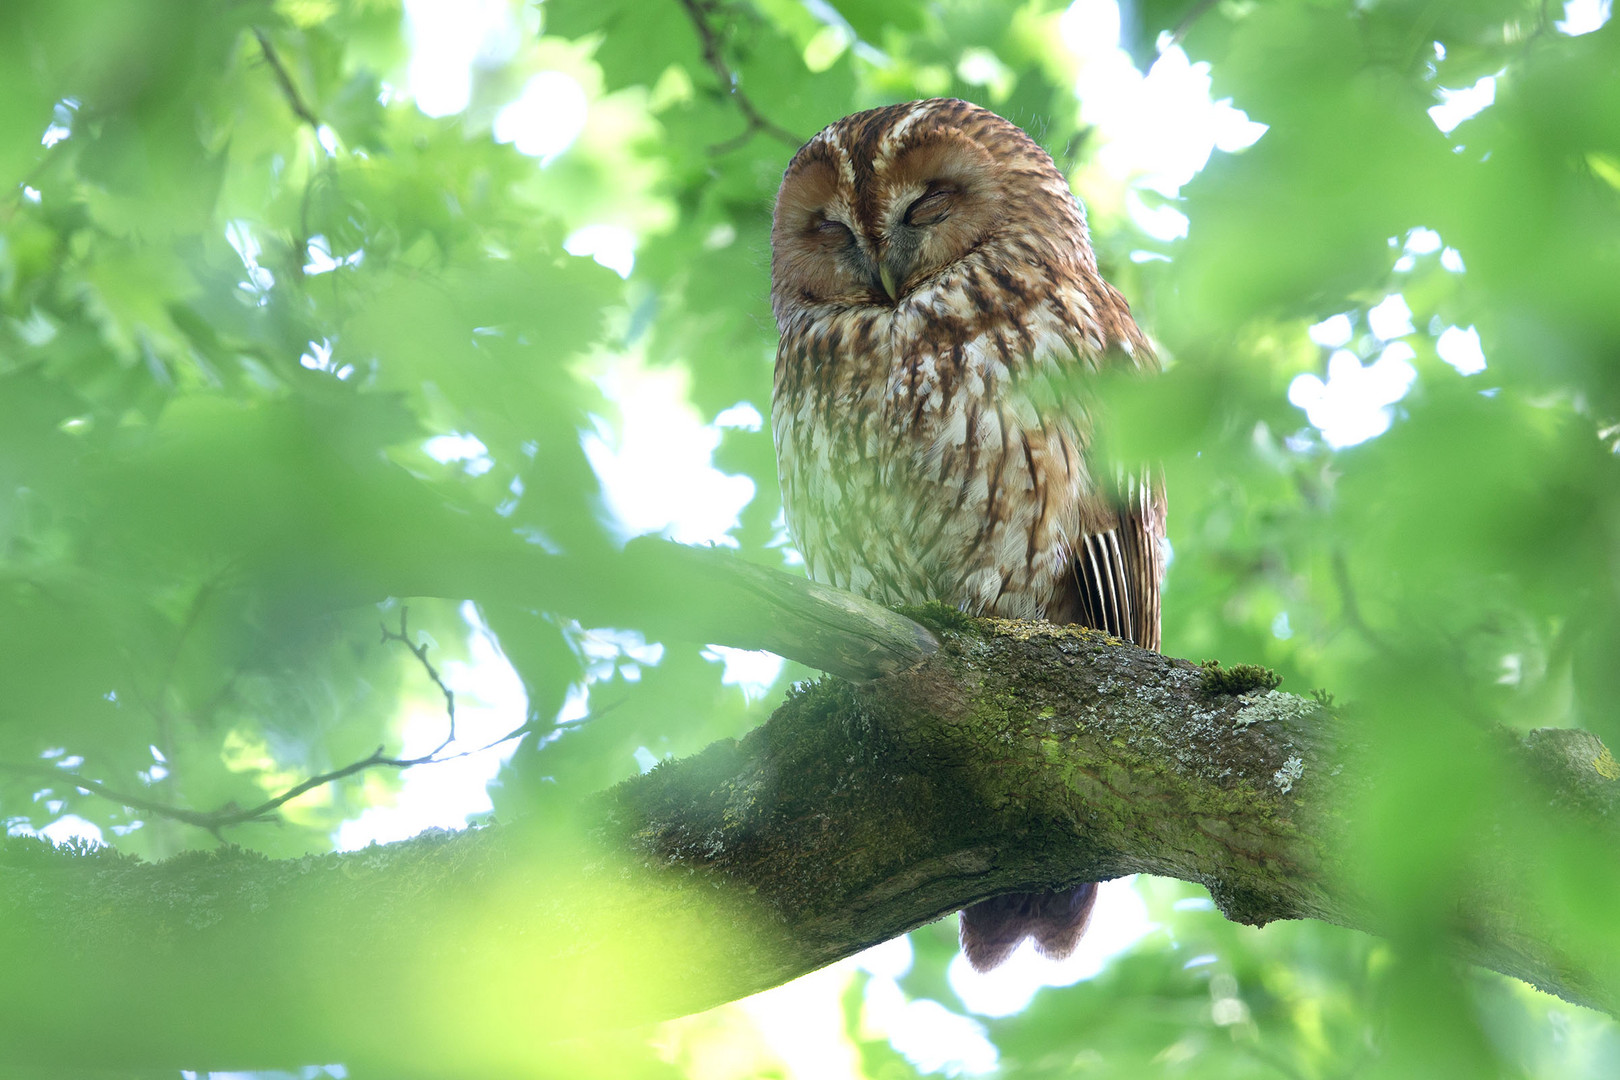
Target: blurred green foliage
column 244, row 279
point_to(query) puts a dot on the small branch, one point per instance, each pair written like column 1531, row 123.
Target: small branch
column 1196, row 12
column 211, row 820
column 294, row 99
column 201, row 819
column 420, row 652
column 264, row 809
column 216, row 820
column 1352, row 608
column 755, row 121
column 14, row 199
column 230, row 814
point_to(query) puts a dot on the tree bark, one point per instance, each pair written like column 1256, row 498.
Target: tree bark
column 983, row 757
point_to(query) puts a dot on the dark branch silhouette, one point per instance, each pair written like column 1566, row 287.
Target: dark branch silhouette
column 755, row 122
column 215, row 821
column 289, row 89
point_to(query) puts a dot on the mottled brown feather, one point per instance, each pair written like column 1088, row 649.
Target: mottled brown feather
column 931, row 277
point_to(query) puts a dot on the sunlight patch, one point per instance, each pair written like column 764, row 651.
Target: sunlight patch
column 1390, row 318
column 612, row 246
column 448, row 37
column 239, row 234
column 321, row 259
column 546, row 118
column 61, row 125
column 656, row 462
column 890, row 960
column 1584, row 16
column 1459, row 105
column 1162, row 222
column 1160, row 126
column 754, row 670
column 1355, row 403
column 981, row 67
column 459, row 446
column 1090, row 27
column 1461, row 349
column 1333, row 332
column 930, row 1036
column 741, row 416
column 1419, row 242
column 63, row 829
column 803, row 1024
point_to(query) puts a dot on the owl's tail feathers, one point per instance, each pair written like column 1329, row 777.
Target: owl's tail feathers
column 992, row 929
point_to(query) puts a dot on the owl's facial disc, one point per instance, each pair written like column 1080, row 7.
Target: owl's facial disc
column 940, row 199
column 868, row 218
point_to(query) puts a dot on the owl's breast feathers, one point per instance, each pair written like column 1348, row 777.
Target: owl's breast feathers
column 936, row 450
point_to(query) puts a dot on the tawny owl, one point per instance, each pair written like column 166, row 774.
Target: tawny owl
column 929, row 268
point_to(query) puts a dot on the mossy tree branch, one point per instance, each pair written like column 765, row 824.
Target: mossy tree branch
column 1003, row 756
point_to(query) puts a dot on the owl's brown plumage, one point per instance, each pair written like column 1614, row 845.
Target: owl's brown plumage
column 932, row 280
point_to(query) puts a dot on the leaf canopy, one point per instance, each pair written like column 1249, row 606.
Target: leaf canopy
column 259, row 260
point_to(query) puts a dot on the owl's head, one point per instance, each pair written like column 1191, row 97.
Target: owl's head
column 889, row 201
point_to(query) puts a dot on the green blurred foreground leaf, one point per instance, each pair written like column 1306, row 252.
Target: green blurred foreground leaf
column 246, row 283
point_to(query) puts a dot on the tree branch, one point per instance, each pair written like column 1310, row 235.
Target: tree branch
column 216, row 821
column 289, row 89
column 756, row 123
column 1013, row 756
column 403, row 636
column 1185, row 23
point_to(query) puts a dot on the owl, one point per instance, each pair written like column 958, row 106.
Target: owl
column 933, row 282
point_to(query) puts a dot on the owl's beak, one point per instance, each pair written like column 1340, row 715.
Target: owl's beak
column 886, row 276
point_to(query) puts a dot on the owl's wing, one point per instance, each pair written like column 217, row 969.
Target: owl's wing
column 1115, row 572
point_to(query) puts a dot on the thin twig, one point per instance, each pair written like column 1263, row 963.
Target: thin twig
column 230, row 814
column 15, row 198
column 756, row 123
column 1352, row 609
column 420, row 652
column 211, row 820
column 1186, row 24
column 294, row 99
column 202, row 819
column 159, row 707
